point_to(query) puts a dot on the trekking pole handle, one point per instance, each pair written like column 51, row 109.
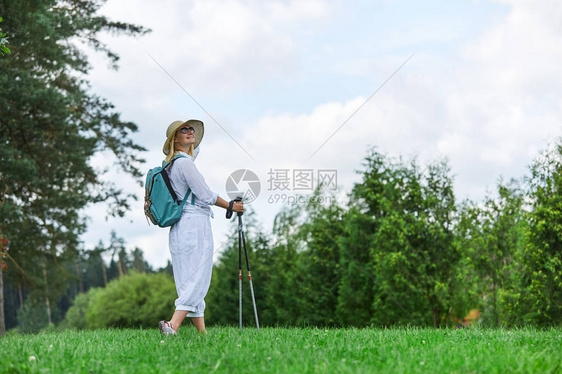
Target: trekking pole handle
column 229, row 210
column 237, row 200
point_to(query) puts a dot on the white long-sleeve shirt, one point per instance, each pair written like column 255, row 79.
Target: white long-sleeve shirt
column 183, row 174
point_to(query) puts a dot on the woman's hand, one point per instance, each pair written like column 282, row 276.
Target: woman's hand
column 238, row 207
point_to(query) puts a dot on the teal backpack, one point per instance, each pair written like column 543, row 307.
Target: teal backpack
column 161, row 205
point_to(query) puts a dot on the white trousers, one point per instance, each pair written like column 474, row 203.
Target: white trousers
column 191, row 246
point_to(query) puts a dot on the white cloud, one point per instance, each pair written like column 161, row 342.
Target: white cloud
column 212, row 47
column 503, row 97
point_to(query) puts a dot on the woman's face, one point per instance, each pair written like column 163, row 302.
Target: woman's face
column 185, row 136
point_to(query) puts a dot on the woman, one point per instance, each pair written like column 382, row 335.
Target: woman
column 191, row 238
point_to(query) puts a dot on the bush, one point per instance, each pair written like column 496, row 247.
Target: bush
column 76, row 314
column 135, row 300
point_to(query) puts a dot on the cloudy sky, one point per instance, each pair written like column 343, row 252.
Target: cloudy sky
column 290, row 86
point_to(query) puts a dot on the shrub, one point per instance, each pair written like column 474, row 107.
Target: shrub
column 135, row 300
column 76, row 314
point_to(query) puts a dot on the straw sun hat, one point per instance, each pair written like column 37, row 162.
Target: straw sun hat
column 176, row 125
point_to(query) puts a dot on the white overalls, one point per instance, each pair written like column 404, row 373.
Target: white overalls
column 191, row 238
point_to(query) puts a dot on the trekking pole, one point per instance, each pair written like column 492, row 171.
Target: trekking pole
column 240, row 269
column 241, row 235
column 242, row 241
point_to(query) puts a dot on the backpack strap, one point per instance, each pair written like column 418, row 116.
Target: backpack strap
column 169, row 184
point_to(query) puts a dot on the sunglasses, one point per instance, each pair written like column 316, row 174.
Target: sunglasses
column 187, row 130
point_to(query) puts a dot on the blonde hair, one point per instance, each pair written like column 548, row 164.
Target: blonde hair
column 172, row 149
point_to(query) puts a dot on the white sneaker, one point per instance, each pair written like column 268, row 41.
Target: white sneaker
column 166, row 328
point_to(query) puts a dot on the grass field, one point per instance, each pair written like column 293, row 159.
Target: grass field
column 285, row 350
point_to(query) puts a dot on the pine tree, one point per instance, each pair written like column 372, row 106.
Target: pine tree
column 541, row 291
column 50, row 128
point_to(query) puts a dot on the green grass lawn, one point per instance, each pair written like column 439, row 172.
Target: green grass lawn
column 285, row 350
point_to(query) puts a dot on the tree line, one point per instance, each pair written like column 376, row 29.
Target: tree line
column 400, row 251
column 403, row 251
column 31, row 307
